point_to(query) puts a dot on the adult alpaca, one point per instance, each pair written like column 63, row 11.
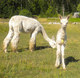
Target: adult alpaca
column 25, row 24
column 61, row 41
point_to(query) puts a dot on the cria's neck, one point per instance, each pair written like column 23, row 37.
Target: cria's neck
column 63, row 28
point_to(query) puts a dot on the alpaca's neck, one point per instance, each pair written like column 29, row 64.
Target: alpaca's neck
column 63, row 29
column 50, row 41
column 45, row 35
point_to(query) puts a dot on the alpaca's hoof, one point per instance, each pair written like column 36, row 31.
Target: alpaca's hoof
column 17, row 52
column 57, row 65
column 5, row 51
column 32, row 50
column 14, row 50
column 64, row 68
column 32, row 46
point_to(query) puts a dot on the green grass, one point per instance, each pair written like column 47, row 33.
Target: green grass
column 74, row 20
column 40, row 63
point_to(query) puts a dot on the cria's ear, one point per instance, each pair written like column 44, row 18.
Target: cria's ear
column 68, row 16
column 60, row 17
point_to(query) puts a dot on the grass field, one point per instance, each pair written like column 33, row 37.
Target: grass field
column 40, row 63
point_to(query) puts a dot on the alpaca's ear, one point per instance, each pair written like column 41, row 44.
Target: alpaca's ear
column 60, row 17
column 68, row 16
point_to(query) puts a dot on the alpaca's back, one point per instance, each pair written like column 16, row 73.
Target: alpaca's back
column 24, row 23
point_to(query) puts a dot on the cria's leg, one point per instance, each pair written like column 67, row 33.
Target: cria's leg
column 15, row 39
column 62, row 54
column 32, row 43
column 58, row 56
column 7, row 40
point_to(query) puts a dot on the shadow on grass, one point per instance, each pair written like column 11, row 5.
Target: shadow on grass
column 42, row 47
column 70, row 59
column 37, row 48
column 22, row 49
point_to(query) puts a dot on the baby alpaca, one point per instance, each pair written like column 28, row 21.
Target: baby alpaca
column 61, row 41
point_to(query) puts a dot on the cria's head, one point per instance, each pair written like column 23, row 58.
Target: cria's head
column 64, row 20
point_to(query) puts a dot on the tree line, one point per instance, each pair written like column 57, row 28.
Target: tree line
column 42, row 8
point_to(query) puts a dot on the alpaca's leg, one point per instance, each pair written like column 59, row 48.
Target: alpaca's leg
column 32, row 43
column 7, row 40
column 62, row 54
column 15, row 39
column 58, row 56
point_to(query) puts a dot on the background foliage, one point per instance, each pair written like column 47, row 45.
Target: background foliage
column 78, row 7
column 25, row 12
column 43, row 8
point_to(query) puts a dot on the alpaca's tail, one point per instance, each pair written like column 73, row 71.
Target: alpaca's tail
column 51, row 41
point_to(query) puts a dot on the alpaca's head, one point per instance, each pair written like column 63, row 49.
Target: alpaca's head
column 64, row 21
column 52, row 44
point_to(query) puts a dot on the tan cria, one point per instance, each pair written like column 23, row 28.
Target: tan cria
column 32, row 46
